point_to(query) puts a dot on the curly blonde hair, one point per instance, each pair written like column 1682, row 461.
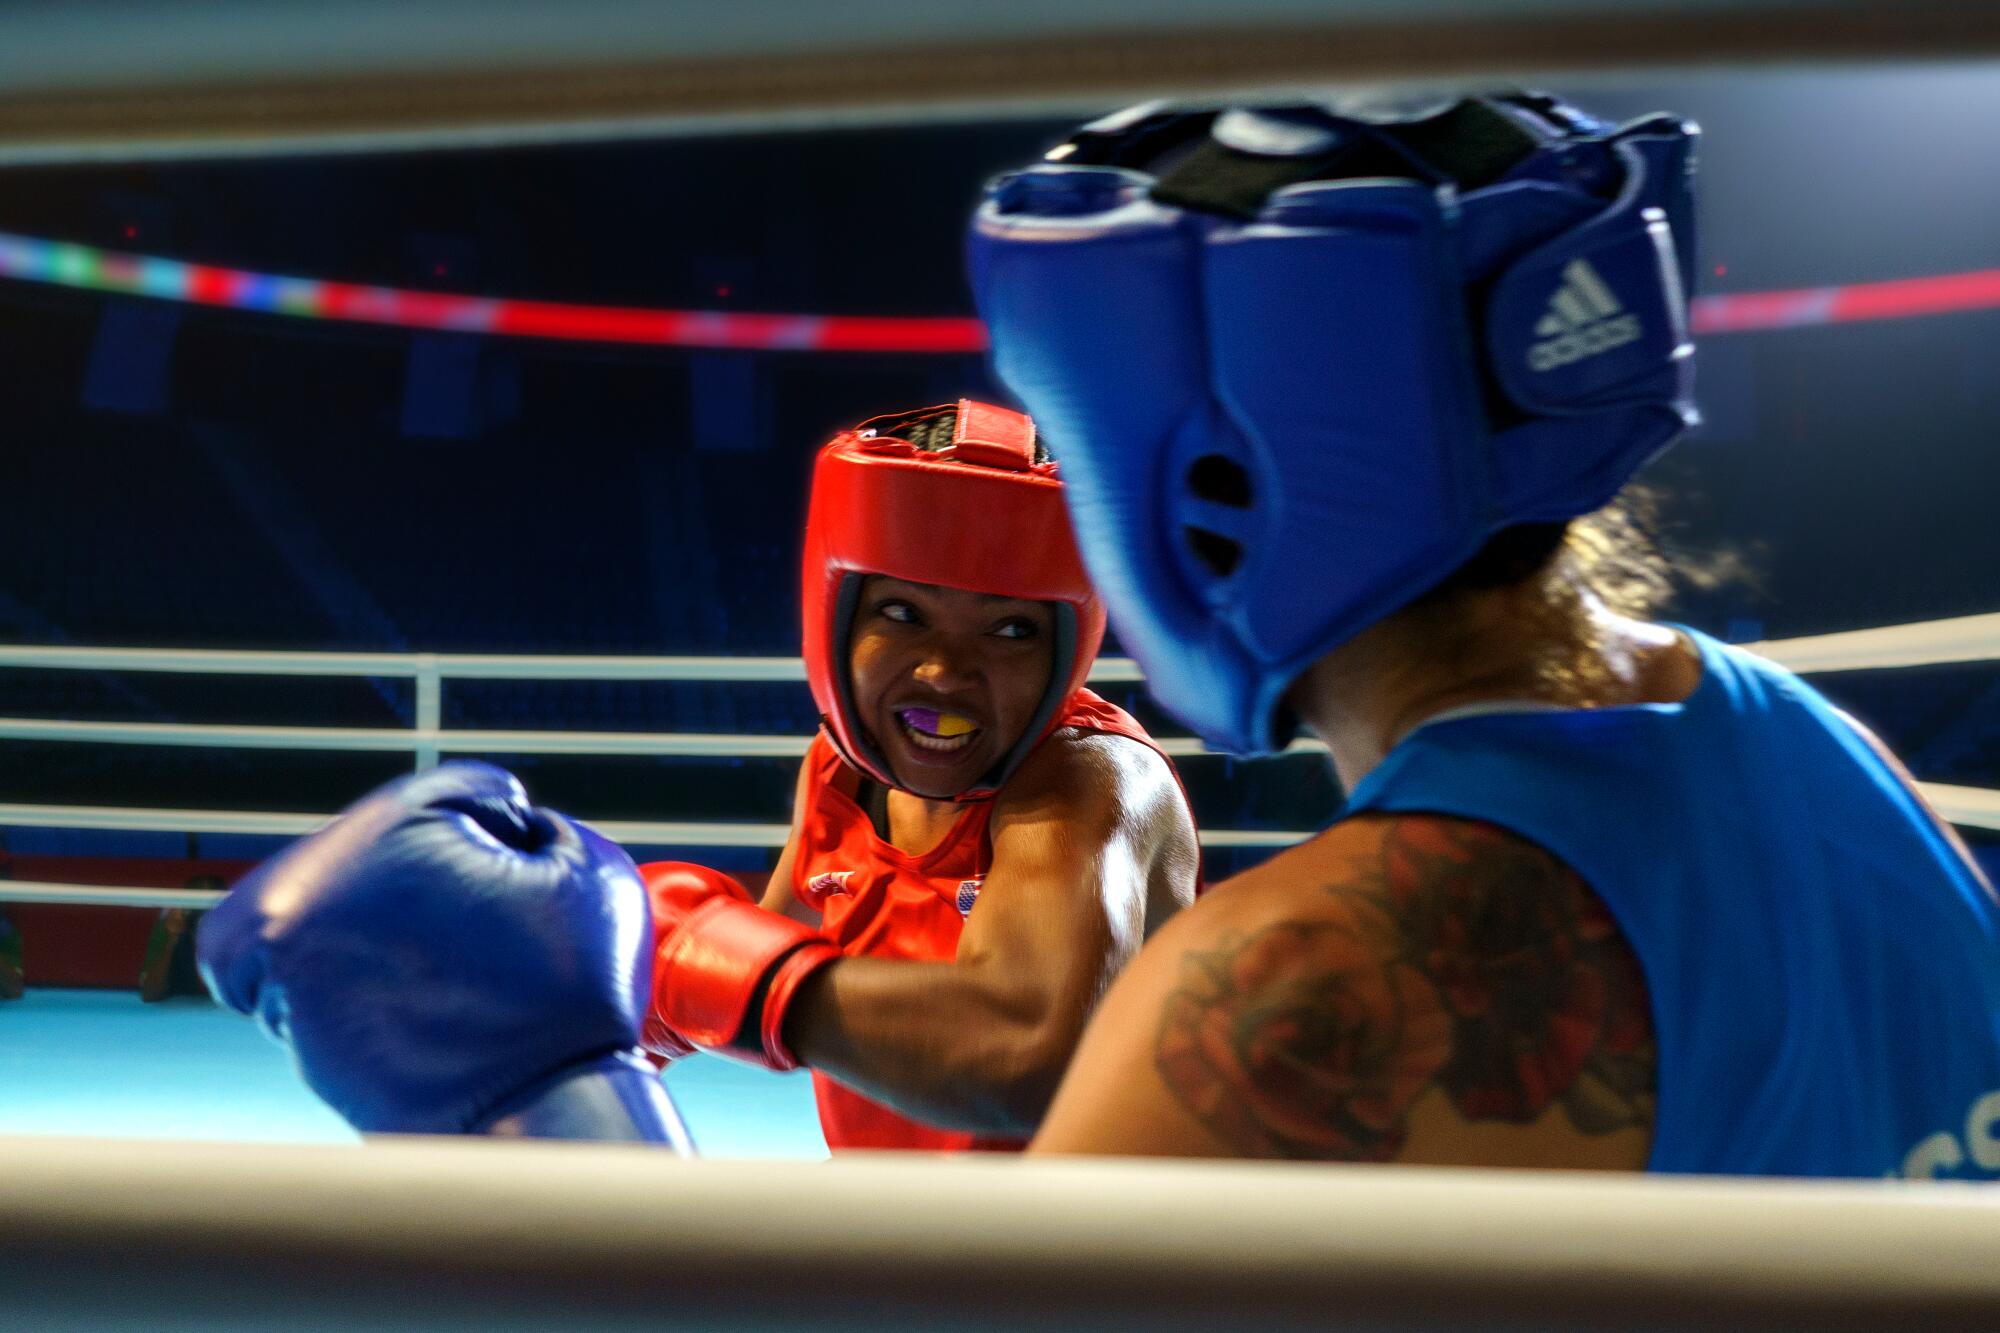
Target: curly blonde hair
column 1612, row 559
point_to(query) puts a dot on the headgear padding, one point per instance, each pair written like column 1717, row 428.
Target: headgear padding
column 1303, row 361
column 979, row 513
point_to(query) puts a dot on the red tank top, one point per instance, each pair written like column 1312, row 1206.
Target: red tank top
column 876, row 901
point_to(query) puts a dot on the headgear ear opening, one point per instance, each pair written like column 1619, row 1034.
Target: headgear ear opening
column 1306, row 360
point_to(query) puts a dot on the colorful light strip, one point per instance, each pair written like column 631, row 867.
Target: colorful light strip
column 31, row 259
column 1901, row 298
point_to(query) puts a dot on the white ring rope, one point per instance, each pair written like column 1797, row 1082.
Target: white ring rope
column 1958, row 640
column 515, row 1234
column 104, row 895
column 454, row 666
column 630, row 833
column 404, row 740
column 1922, row 643
column 1970, row 807
column 464, row 740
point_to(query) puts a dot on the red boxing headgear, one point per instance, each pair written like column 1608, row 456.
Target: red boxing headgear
column 979, row 514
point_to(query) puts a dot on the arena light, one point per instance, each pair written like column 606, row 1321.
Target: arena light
column 88, row 268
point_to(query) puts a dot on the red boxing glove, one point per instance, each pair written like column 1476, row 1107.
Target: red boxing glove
column 674, row 889
column 721, row 960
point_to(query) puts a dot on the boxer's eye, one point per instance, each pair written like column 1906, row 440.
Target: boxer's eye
column 1018, row 627
column 900, row 612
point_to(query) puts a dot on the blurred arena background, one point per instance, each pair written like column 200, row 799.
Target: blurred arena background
column 187, row 476
column 359, row 476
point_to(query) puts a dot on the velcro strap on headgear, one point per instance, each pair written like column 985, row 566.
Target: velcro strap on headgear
column 993, row 437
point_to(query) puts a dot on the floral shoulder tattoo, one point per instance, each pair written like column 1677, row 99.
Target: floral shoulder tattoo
column 1455, row 956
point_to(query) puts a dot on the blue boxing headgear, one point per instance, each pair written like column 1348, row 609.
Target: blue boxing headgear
column 1301, row 362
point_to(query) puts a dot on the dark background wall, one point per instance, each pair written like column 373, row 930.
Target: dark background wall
column 182, row 476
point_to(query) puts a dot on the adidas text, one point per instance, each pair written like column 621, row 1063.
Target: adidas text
column 1584, row 319
column 1591, row 340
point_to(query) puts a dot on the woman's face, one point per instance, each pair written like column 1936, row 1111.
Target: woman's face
column 946, row 681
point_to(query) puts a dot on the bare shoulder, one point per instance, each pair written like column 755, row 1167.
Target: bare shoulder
column 1393, row 989
column 1091, row 775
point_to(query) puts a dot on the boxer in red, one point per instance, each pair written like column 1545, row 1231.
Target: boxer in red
column 979, row 843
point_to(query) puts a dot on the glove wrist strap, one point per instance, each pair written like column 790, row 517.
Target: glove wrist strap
column 779, row 990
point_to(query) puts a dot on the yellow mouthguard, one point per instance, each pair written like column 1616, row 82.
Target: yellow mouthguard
column 951, row 724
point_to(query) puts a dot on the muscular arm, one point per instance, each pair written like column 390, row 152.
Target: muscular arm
column 1405, row 988
column 980, row 1043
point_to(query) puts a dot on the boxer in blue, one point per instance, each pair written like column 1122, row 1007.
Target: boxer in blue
column 446, row 958
column 1335, row 390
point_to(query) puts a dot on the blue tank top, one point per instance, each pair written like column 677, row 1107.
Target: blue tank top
column 1824, row 964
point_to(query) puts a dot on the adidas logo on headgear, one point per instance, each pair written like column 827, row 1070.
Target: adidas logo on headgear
column 1584, row 320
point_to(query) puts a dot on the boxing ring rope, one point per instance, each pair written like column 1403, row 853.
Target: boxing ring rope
column 1958, row 640
column 412, row 1234
column 1925, row 643
column 230, row 76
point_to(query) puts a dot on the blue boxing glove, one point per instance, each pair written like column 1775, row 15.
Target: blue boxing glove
column 445, row 958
